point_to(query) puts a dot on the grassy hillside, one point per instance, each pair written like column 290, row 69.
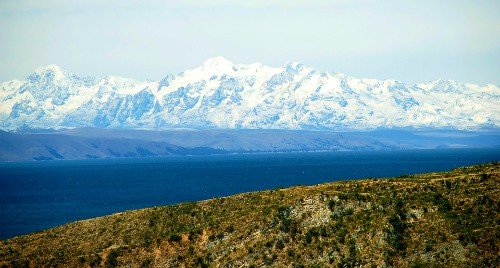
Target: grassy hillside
column 438, row 219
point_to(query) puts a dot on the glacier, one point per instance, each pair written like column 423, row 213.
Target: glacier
column 222, row 94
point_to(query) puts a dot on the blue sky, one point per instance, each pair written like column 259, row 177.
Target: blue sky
column 410, row 41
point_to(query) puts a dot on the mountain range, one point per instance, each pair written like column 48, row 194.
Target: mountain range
column 224, row 95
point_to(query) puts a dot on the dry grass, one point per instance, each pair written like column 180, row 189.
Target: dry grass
column 437, row 219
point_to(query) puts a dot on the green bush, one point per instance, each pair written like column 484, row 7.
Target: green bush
column 174, row 238
column 112, row 259
column 279, row 244
column 308, row 238
column 331, row 204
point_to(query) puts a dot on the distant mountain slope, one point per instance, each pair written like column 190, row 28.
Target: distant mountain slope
column 110, row 143
column 430, row 220
column 220, row 94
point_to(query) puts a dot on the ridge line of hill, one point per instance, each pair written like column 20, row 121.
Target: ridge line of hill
column 434, row 219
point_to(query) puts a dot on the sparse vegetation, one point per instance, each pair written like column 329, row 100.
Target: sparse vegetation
column 437, row 219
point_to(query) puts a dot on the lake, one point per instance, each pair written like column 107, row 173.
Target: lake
column 39, row 195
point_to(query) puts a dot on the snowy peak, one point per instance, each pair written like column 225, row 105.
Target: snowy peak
column 221, row 94
column 217, row 64
column 51, row 68
column 48, row 73
column 293, row 66
column 53, row 75
column 218, row 60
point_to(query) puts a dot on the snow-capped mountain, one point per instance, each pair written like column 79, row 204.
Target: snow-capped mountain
column 221, row 94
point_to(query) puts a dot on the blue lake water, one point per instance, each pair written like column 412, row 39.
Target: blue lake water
column 40, row 195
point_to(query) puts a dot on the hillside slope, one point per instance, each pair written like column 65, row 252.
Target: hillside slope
column 422, row 220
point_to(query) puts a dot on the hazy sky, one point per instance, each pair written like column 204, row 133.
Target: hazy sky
column 409, row 41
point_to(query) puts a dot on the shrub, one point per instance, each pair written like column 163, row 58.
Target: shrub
column 286, row 224
column 484, row 177
column 341, row 234
column 174, row 238
column 146, row 263
column 212, row 237
column 112, row 259
column 230, row 229
column 95, row 261
column 279, row 244
column 331, row 204
column 323, row 232
column 308, row 238
column 349, row 211
column 81, row 259
column 395, row 236
column 220, row 235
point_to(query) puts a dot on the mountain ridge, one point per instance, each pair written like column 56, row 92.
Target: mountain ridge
column 91, row 143
column 221, row 94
